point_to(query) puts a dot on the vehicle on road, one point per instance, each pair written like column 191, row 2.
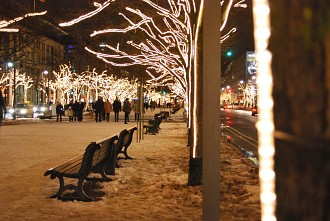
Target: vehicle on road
column 43, row 111
column 254, row 110
column 22, row 110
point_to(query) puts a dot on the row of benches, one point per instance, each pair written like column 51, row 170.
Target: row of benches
column 99, row 157
column 153, row 125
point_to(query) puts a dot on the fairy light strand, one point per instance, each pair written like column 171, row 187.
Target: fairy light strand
column 265, row 124
column 99, row 8
column 5, row 23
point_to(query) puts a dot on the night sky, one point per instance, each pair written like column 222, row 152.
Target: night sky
column 66, row 10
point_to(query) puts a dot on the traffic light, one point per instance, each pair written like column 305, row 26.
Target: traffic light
column 71, row 49
column 229, row 53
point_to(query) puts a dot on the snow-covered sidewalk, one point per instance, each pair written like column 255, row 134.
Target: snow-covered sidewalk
column 152, row 186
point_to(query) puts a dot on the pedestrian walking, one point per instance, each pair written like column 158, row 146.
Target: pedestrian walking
column 59, row 111
column 127, row 110
column 99, row 108
column 107, row 109
column 75, row 107
column 3, row 110
column 136, row 108
column 153, row 105
column 80, row 110
column 70, row 114
column 146, row 105
column 116, row 106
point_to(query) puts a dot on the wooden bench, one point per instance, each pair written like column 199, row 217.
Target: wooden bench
column 98, row 156
column 124, row 141
column 153, row 125
column 175, row 109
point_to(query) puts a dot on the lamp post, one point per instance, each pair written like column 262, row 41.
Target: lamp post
column 9, row 65
column 47, row 91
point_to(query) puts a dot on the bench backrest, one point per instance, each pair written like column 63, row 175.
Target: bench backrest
column 104, row 150
column 87, row 159
column 121, row 140
column 129, row 137
column 95, row 157
column 156, row 123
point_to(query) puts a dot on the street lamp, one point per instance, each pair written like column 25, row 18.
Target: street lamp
column 9, row 92
column 47, row 92
column 11, row 102
column 10, row 65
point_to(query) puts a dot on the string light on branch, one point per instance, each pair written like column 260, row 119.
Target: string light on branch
column 5, row 23
column 99, row 6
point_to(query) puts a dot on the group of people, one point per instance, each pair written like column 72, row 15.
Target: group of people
column 103, row 109
column 152, row 105
column 74, row 112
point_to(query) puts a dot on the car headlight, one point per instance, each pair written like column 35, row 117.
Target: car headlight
column 11, row 110
column 22, row 111
column 42, row 109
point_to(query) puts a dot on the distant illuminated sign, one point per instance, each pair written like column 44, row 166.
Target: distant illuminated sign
column 251, row 63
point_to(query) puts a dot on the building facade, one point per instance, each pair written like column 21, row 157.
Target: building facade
column 28, row 58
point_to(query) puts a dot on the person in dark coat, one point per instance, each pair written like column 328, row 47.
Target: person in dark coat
column 99, row 108
column 59, row 111
column 80, row 110
column 127, row 109
column 75, row 108
column 116, row 106
column 2, row 108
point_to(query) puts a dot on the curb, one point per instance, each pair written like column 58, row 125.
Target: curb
column 248, row 154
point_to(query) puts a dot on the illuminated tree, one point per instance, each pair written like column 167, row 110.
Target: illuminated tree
column 249, row 93
column 70, row 85
column 26, row 82
column 163, row 37
column 4, row 82
column 167, row 45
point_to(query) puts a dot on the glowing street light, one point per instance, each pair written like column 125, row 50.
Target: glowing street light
column 45, row 72
column 10, row 64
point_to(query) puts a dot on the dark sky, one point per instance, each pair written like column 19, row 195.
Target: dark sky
column 66, row 10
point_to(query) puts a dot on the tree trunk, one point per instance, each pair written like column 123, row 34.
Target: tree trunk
column 301, row 105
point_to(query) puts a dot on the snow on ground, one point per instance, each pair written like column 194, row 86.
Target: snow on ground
column 152, row 186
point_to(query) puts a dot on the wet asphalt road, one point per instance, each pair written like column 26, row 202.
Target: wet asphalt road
column 239, row 127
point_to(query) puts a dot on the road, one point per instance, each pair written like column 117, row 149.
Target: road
column 239, row 126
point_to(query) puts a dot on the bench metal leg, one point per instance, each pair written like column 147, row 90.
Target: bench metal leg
column 61, row 189
column 79, row 188
column 104, row 176
column 102, row 171
column 126, row 155
column 81, row 192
